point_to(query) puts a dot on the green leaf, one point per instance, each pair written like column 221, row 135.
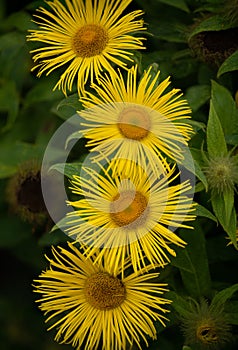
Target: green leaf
column 192, row 263
column 12, row 155
column 169, row 31
column 20, row 20
column 214, row 23
column 180, row 4
column 67, row 169
column 216, row 144
column 221, row 297
column 193, row 166
column 196, row 125
column 51, row 238
column 197, row 96
column 13, row 231
column 223, row 207
column 180, row 305
column 68, row 107
column 231, row 310
column 9, row 103
column 232, row 140
column 62, row 224
column 202, row 211
column 14, row 50
column 225, row 108
column 42, row 91
column 229, row 65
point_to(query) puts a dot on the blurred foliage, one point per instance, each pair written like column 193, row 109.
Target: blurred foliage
column 30, row 113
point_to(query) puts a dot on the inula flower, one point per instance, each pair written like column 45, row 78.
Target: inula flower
column 24, row 194
column 222, row 173
column 206, row 326
column 138, row 121
column 130, row 211
column 87, row 37
column 89, row 304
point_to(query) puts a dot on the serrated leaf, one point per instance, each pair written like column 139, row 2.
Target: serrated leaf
column 67, row 169
column 229, row 65
column 202, row 211
column 225, row 108
column 216, row 144
column 221, row 297
column 192, row 263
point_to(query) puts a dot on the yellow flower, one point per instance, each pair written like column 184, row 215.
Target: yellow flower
column 92, row 305
column 129, row 212
column 87, row 37
column 135, row 121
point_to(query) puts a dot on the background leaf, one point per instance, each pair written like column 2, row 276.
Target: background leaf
column 216, row 144
column 192, row 263
column 225, row 108
column 221, row 297
column 214, row 23
column 223, row 207
column 229, row 65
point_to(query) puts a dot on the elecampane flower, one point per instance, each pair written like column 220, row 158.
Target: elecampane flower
column 91, row 305
column 129, row 211
column 88, row 36
column 136, row 121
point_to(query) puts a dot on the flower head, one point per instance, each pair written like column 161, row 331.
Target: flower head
column 222, row 173
column 92, row 305
column 88, row 37
column 24, row 193
column 214, row 47
column 129, row 212
column 135, row 121
column 206, row 326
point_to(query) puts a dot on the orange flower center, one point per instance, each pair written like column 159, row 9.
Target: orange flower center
column 104, row 292
column 90, row 40
column 127, row 207
column 134, row 123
